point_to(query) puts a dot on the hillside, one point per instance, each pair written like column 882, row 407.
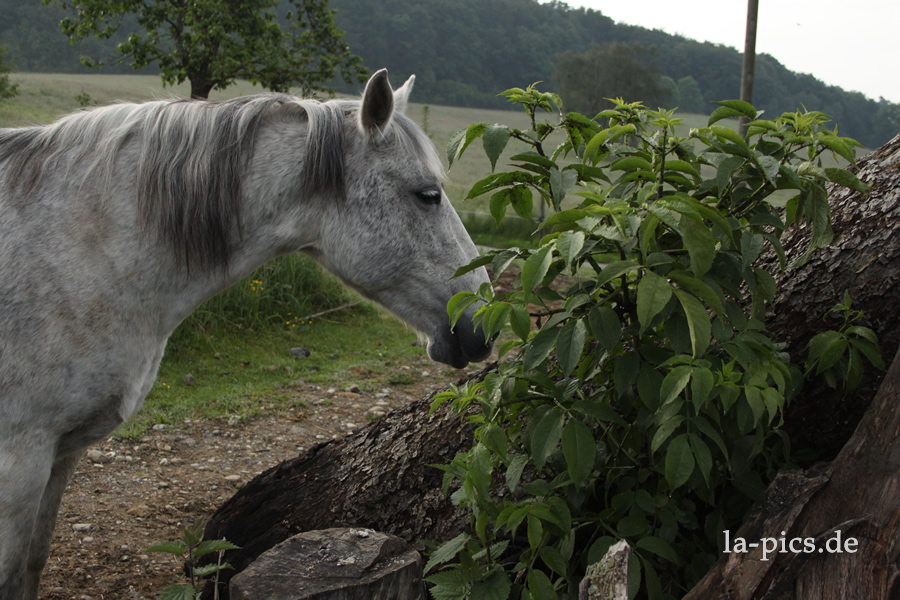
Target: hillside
column 466, row 51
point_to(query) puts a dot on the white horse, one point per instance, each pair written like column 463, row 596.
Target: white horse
column 115, row 223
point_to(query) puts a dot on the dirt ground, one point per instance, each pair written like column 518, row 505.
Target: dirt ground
column 130, row 494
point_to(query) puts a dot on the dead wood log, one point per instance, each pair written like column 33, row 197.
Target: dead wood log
column 379, row 478
column 333, row 564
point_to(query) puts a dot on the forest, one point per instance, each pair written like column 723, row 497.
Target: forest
column 466, row 52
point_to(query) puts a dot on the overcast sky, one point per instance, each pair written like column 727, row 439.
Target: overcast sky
column 854, row 44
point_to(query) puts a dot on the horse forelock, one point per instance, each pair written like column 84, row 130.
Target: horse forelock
column 193, row 156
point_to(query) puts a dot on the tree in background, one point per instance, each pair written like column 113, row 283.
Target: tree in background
column 613, row 70
column 690, row 97
column 7, row 89
column 210, row 43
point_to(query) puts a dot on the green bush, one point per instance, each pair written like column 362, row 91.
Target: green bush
column 646, row 406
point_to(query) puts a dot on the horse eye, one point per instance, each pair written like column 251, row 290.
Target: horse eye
column 429, row 196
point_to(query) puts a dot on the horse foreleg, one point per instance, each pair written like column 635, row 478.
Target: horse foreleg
column 24, row 472
column 46, row 520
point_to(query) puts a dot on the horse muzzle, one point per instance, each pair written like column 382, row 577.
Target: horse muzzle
column 461, row 345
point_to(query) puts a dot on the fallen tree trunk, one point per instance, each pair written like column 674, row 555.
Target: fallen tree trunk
column 851, row 514
column 379, row 478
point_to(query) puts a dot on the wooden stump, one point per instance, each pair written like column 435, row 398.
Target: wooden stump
column 333, row 564
column 608, row 579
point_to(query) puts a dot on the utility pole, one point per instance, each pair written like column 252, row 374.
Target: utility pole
column 749, row 59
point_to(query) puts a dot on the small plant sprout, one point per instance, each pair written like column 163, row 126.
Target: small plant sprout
column 191, row 547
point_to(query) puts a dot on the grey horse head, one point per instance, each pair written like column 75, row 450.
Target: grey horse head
column 393, row 235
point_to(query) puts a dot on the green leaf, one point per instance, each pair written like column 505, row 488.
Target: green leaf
column 553, row 559
column 698, row 322
column 480, row 469
column 700, row 288
column 494, row 318
column 819, row 343
column 569, row 345
column 501, row 261
column 210, row 546
column 732, row 136
column 838, row 146
column 569, row 244
column 447, row 551
column 870, row 351
column 632, row 526
column 596, row 408
column 498, row 203
column 579, row 449
column 495, row 586
column 535, row 267
column 539, row 347
column 520, row 321
column 743, row 108
column 724, row 171
column 664, row 431
column 702, row 383
column 605, row 326
column 659, row 547
column 673, row 383
column 630, row 163
column 210, row 569
column 653, row 293
column 540, row 586
column 700, row 243
column 831, row 354
column 175, row 547
column 522, row 201
column 683, row 167
column 514, row 471
column 498, row 180
column 847, row 179
column 702, row 456
column 460, row 140
column 495, row 138
column 613, row 270
column 561, row 182
column 679, row 461
column 545, row 436
column 178, row 592
column 458, row 304
column 535, row 530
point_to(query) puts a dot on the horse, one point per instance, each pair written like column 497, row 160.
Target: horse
column 117, row 222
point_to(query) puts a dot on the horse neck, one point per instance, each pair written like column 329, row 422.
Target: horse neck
column 276, row 219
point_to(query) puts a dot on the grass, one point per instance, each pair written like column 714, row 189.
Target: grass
column 242, row 373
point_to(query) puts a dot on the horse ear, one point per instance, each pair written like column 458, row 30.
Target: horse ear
column 401, row 94
column 377, row 103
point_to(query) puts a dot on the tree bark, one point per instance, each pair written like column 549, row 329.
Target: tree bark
column 864, row 259
column 379, row 478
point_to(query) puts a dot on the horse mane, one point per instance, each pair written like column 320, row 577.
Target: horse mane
column 192, row 158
